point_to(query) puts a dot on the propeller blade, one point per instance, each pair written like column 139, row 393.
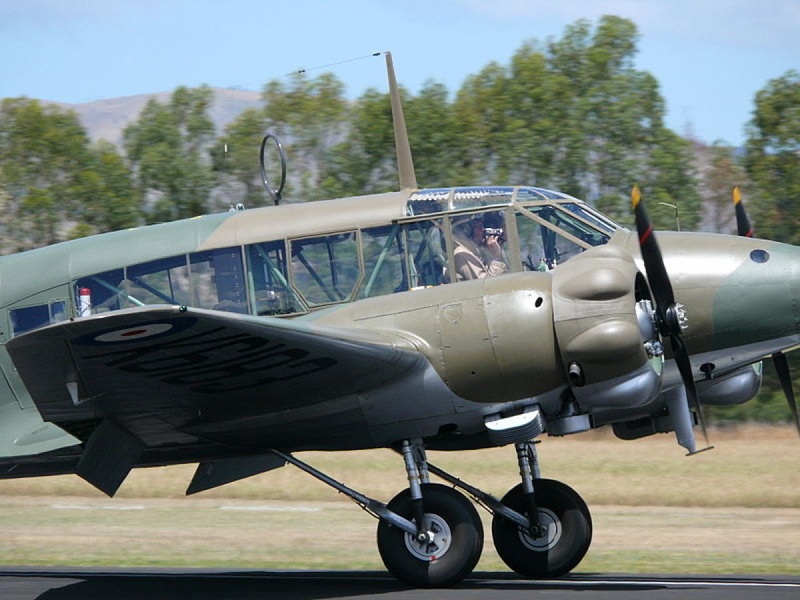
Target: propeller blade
column 742, row 220
column 653, row 261
column 685, row 367
column 672, row 319
column 782, row 368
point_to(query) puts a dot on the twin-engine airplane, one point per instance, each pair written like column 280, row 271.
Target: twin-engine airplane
column 449, row 318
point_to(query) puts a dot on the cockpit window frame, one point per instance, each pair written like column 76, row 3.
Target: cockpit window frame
column 562, row 232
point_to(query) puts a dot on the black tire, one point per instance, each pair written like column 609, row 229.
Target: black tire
column 459, row 541
column 569, row 525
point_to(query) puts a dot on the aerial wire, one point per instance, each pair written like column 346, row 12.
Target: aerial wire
column 335, row 64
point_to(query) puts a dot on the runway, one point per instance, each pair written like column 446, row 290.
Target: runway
column 129, row 584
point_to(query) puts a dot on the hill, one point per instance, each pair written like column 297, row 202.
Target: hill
column 105, row 119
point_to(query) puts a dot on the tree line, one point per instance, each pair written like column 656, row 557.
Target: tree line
column 570, row 113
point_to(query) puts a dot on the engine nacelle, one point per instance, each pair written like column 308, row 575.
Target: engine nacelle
column 735, row 388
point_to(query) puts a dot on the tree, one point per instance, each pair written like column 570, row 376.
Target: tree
column 772, row 158
column 364, row 161
column 542, row 146
column 721, row 171
column 167, row 147
column 669, row 180
column 311, row 117
column 480, row 124
column 431, row 131
column 575, row 115
column 235, row 159
column 615, row 124
column 6, row 212
column 43, row 151
column 109, row 198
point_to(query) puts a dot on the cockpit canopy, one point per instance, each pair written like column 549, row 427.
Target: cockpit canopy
column 540, row 228
column 457, row 199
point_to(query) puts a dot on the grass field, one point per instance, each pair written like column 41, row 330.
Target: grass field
column 733, row 510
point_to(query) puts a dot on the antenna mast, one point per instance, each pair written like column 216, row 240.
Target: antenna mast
column 405, row 164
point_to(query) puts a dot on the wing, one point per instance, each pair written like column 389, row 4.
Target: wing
column 175, row 376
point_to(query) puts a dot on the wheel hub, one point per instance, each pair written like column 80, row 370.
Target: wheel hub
column 550, row 525
column 436, row 542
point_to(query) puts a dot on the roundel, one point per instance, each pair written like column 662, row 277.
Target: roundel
column 134, row 333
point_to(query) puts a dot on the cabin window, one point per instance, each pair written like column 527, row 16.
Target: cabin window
column 212, row 279
column 162, row 281
column 102, row 292
column 218, row 280
column 268, row 270
column 326, row 269
column 28, row 318
column 542, row 247
column 568, row 223
column 531, row 245
column 384, row 261
column 427, row 253
column 599, row 220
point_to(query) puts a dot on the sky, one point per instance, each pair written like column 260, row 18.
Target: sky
column 710, row 57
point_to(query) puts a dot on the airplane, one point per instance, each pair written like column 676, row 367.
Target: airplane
column 241, row 339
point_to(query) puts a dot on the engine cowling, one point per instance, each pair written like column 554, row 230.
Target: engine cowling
column 602, row 343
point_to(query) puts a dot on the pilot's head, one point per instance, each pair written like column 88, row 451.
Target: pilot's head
column 476, row 229
column 469, row 226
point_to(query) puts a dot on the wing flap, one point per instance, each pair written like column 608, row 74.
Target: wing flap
column 109, row 456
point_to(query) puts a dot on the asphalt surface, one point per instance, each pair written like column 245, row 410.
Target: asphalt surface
column 52, row 584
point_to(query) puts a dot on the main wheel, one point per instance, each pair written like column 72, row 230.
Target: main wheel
column 568, row 525
column 456, row 545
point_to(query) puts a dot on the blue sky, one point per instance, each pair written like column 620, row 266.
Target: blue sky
column 709, row 56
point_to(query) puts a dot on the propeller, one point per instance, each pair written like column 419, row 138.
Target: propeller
column 779, row 358
column 784, row 376
column 671, row 315
column 742, row 220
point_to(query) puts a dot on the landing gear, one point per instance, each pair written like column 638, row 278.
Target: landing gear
column 558, row 529
column 430, row 535
column 541, row 528
column 448, row 534
column 564, row 536
column 449, row 548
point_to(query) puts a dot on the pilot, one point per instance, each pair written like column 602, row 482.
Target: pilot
column 476, row 254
